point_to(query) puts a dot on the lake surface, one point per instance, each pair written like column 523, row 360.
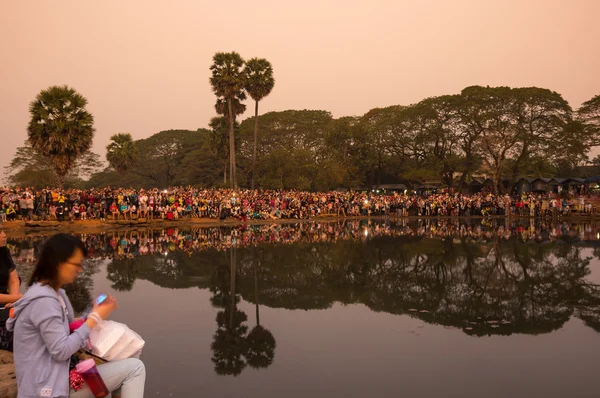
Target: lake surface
column 355, row 309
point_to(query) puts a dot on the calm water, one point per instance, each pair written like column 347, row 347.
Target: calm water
column 355, row 309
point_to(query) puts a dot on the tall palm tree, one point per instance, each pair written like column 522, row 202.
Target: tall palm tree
column 238, row 107
column 61, row 129
column 219, row 141
column 227, row 82
column 121, row 153
column 259, row 83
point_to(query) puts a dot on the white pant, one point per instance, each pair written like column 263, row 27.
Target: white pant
column 128, row 375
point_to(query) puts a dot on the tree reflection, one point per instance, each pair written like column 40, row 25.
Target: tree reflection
column 501, row 277
column 229, row 341
column 122, row 272
column 80, row 291
column 233, row 347
column 261, row 342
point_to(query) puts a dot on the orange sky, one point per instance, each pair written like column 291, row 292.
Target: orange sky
column 143, row 64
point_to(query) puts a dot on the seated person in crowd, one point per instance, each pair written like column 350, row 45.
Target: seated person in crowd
column 124, row 208
column 11, row 213
column 114, row 211
column 52, row 211
column 82, row 212
column 60, row 213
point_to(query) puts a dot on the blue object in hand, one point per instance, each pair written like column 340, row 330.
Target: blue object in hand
column 101, row 298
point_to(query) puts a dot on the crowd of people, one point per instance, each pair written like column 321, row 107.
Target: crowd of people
column 178, row 202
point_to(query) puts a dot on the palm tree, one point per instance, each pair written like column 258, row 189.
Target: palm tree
column 61, row 129
column 121, row 153
column 227, row 82
column 216, row 124
column 259, row 83
column 219, row 141
column 237, row 105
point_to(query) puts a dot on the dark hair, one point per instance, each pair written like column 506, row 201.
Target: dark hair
column 56, row 250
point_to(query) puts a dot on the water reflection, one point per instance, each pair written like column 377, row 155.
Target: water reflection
column 233, row 347
column 486, row 279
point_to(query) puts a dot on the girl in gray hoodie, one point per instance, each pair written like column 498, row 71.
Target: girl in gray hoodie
column 43, row 345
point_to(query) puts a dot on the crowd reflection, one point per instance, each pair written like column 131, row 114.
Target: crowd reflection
column 484, row 278
column 122, row 244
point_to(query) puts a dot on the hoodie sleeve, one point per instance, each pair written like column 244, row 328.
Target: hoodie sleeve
column 48, row 318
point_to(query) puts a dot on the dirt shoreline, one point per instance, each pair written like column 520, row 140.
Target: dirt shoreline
column 20, row 228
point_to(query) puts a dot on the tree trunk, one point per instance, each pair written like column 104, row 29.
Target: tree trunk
column 379, row 170
column 447, row 176
column 232, row 172
column 232, row 287
column 60, row 180
column 225, row 174
column 497, row 177
column 461, row 182
column 256, row 288
column 255, row 140
column 516, row 167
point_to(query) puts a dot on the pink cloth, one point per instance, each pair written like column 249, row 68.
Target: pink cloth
column 73, row 326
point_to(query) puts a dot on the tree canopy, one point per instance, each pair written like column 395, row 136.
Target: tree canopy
column 60, row 128
column 29, row 168
column 501, row 133
column 121, row 153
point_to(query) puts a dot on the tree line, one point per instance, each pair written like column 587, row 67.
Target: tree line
column 501, row 133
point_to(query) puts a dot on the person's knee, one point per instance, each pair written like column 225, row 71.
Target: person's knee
column 137, row 366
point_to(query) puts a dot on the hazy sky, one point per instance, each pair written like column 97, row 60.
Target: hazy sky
column 143, row 64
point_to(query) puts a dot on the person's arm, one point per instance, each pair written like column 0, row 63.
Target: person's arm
column 6, row 299
column 13, row 290
column 47, row 316
column 14, row 284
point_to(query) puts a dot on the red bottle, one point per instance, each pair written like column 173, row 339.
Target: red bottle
column 88, row 370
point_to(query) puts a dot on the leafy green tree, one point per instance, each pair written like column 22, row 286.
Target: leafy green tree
column 227, row 82
column 291, row 147
column 172, row 157
column 29, row 168
column 60, row 128
column 382, row 128
column 259, row 83
column 340, row 156
column 435, row 119
column 541, row 117
column 121, row 153
column 469, row 129
column 500, row 139
column 590, row 112
column 589, row 115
